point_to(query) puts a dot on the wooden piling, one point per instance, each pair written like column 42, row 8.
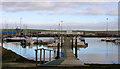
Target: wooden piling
column 50, row 56
column 61, row 41
column 76, row 47
column 61, row 44
column 37, row 38
column 2, row 40
column 40, row 55
column 36, row 57
column 58, row 51
column 44, row 56
column 72, row 42
column 54, row 53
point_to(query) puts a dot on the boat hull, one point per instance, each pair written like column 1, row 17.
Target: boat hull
column 14, row 40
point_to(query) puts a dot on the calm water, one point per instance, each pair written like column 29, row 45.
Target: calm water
column 99, row 52
column 96, row 52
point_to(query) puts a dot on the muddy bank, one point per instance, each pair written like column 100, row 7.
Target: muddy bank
column 8, row 57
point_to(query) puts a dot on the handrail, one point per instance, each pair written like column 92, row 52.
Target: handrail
column 45, row 49
column 36, row 51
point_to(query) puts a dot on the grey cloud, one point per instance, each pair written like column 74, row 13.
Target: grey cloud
column 61, row 0
column 60, row 8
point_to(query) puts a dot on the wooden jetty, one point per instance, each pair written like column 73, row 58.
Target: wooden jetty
column 71, row 59
column 67, row 58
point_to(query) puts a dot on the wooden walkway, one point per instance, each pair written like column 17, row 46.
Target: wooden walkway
column 68, row 59
column 71, row 59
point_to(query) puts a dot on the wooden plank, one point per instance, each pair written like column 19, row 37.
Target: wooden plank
column 71, row 59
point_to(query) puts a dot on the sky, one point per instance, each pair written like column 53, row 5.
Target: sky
column 75, row 15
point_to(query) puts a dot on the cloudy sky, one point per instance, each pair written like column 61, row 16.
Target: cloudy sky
column 47, row 15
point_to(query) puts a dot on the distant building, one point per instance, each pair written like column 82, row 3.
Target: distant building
column 69, row 31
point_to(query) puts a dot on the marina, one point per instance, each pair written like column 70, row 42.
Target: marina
column 60, row 35
column 105, row 51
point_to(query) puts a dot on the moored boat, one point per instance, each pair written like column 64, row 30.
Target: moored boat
column 52, row 45
column 109, row 39
column 15, row 39
column 117, row 41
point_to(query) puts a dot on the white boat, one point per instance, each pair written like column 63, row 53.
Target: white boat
column 15, row 39
column 52, row 45
column 109, row 39
column 82, row 44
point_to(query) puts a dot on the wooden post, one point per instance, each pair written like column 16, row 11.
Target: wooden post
column 50, row 56
column 72, row 42
column 36, row 56
column 58, row 51
column 40, row 55
column 37, row 38
column 76, row 47
column 44, row 56
column 2, row 40
column 54, row 53
column 61, row 40
column 61, row 44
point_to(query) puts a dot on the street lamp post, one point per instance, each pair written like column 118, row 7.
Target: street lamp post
column 107, row 25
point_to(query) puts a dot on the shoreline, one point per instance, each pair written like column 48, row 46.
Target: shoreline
column 15, row 58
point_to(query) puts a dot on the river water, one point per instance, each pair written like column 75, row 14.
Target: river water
column 97, row 52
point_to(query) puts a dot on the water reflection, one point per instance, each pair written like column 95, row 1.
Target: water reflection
column 99, row 52
column 96, row 52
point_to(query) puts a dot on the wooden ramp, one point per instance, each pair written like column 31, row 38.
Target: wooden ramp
column 71, row 60
column 68, row 59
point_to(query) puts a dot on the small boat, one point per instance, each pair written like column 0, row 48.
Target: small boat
column 37, row 41
column 25, row 43
column 103, row 39
column 82, row 39
column 15, row 39
column 82, row 44
column 108, row 40
column 52, row 45
column 117, row 41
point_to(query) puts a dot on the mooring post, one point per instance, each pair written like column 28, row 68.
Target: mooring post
column 2, row 40
column 50, row 56
column 61, row 41
column 72, row 42
column 54, row 53
column 76, row 47
column 58, row 51
column 61, row 45
column 36, row 56
column 37, row 38
column 40, row 55
column 44, row 56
